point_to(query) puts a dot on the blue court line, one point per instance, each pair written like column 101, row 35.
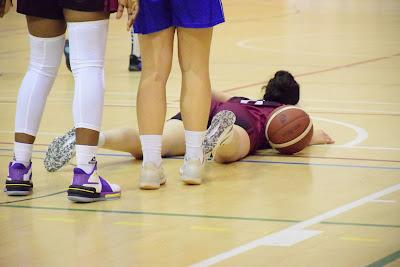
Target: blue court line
column 392, row 168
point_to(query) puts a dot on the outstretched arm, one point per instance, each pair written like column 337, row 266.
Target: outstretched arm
column 320, row 137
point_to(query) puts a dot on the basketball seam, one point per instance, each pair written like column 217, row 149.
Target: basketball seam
column 294, row 141
column 277, row 113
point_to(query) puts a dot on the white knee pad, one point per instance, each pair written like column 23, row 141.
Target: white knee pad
column 45, row 58
column 87, row 48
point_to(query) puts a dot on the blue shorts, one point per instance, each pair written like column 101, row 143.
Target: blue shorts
column 157, row 15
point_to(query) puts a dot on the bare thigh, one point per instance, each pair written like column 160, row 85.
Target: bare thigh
column 173, row 140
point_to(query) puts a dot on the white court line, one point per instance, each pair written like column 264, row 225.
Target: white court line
column 362, row 134
column 384, row 201
column 350, row 102
column 353, row 111
column 297, row 229
column 367, row 147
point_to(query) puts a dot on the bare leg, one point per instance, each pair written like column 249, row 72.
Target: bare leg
column 127, row 140
column 235, row 148
column 156, row 50
column 194, row 53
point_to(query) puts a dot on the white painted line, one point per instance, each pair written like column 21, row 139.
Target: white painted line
column 289, row 238
column 384, row 201
column 362, row 134
column 367, row 147
column 297, row 228
column 353, row 111
column 351, row 102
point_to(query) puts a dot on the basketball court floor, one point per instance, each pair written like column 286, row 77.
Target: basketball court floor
column 336, row 205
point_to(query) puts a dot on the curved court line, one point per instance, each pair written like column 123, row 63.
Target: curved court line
column 362, row 134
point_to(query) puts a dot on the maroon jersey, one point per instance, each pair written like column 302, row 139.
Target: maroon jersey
column 251, row 115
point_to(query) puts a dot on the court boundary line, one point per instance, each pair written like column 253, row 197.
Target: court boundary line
column 298, row 227
column 201, row 216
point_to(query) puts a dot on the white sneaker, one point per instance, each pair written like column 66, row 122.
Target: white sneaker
column 151, row 176
column 192, row 171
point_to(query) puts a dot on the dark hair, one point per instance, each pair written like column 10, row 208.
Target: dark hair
column 283, row 88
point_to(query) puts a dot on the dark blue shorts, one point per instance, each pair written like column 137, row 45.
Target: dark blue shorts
column 53, row 9
column 157, row 15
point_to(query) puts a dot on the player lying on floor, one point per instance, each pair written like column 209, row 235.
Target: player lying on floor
column 236, row 128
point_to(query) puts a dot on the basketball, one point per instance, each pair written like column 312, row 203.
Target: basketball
column 289, row 129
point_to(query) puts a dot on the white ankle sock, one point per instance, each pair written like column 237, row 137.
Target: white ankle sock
column 194, row 141
column 151, row 147
column 86, row 157
column 23, row 153
column 102, row 139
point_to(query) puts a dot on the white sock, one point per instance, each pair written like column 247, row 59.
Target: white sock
column 135, row 44
column 194, row 141
column 151, row 147
column 23, row 153
column 86, row 157
column 102, row 139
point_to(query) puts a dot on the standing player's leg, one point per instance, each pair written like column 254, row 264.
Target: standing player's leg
column 156, row 49
column 46, row 43
column 194, row 51
column 135, row 62
column 87, row 36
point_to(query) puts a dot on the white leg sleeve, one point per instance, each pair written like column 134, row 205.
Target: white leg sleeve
column 135, row 44
column 45, row 58
column 87, row 42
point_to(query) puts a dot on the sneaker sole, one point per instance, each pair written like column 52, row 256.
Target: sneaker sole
column 152, row 185
column 224, row 120
column 18, row 193
column 88, row 194
column 57, row 154
column 18, row 189
column 191, row 181
column 88, row 199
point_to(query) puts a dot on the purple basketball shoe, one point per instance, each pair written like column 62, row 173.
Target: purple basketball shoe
column 19, row 179
column 90, row 187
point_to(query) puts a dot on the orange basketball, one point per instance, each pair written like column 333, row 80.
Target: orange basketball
column 289, row 129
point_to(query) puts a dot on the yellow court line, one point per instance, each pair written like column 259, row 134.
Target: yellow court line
column 132, row 223
column 359, row 239
column 59, row 219
column 214, row 229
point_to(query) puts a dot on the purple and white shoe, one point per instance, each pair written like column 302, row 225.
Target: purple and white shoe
column 19, row 179
column 90, row 187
